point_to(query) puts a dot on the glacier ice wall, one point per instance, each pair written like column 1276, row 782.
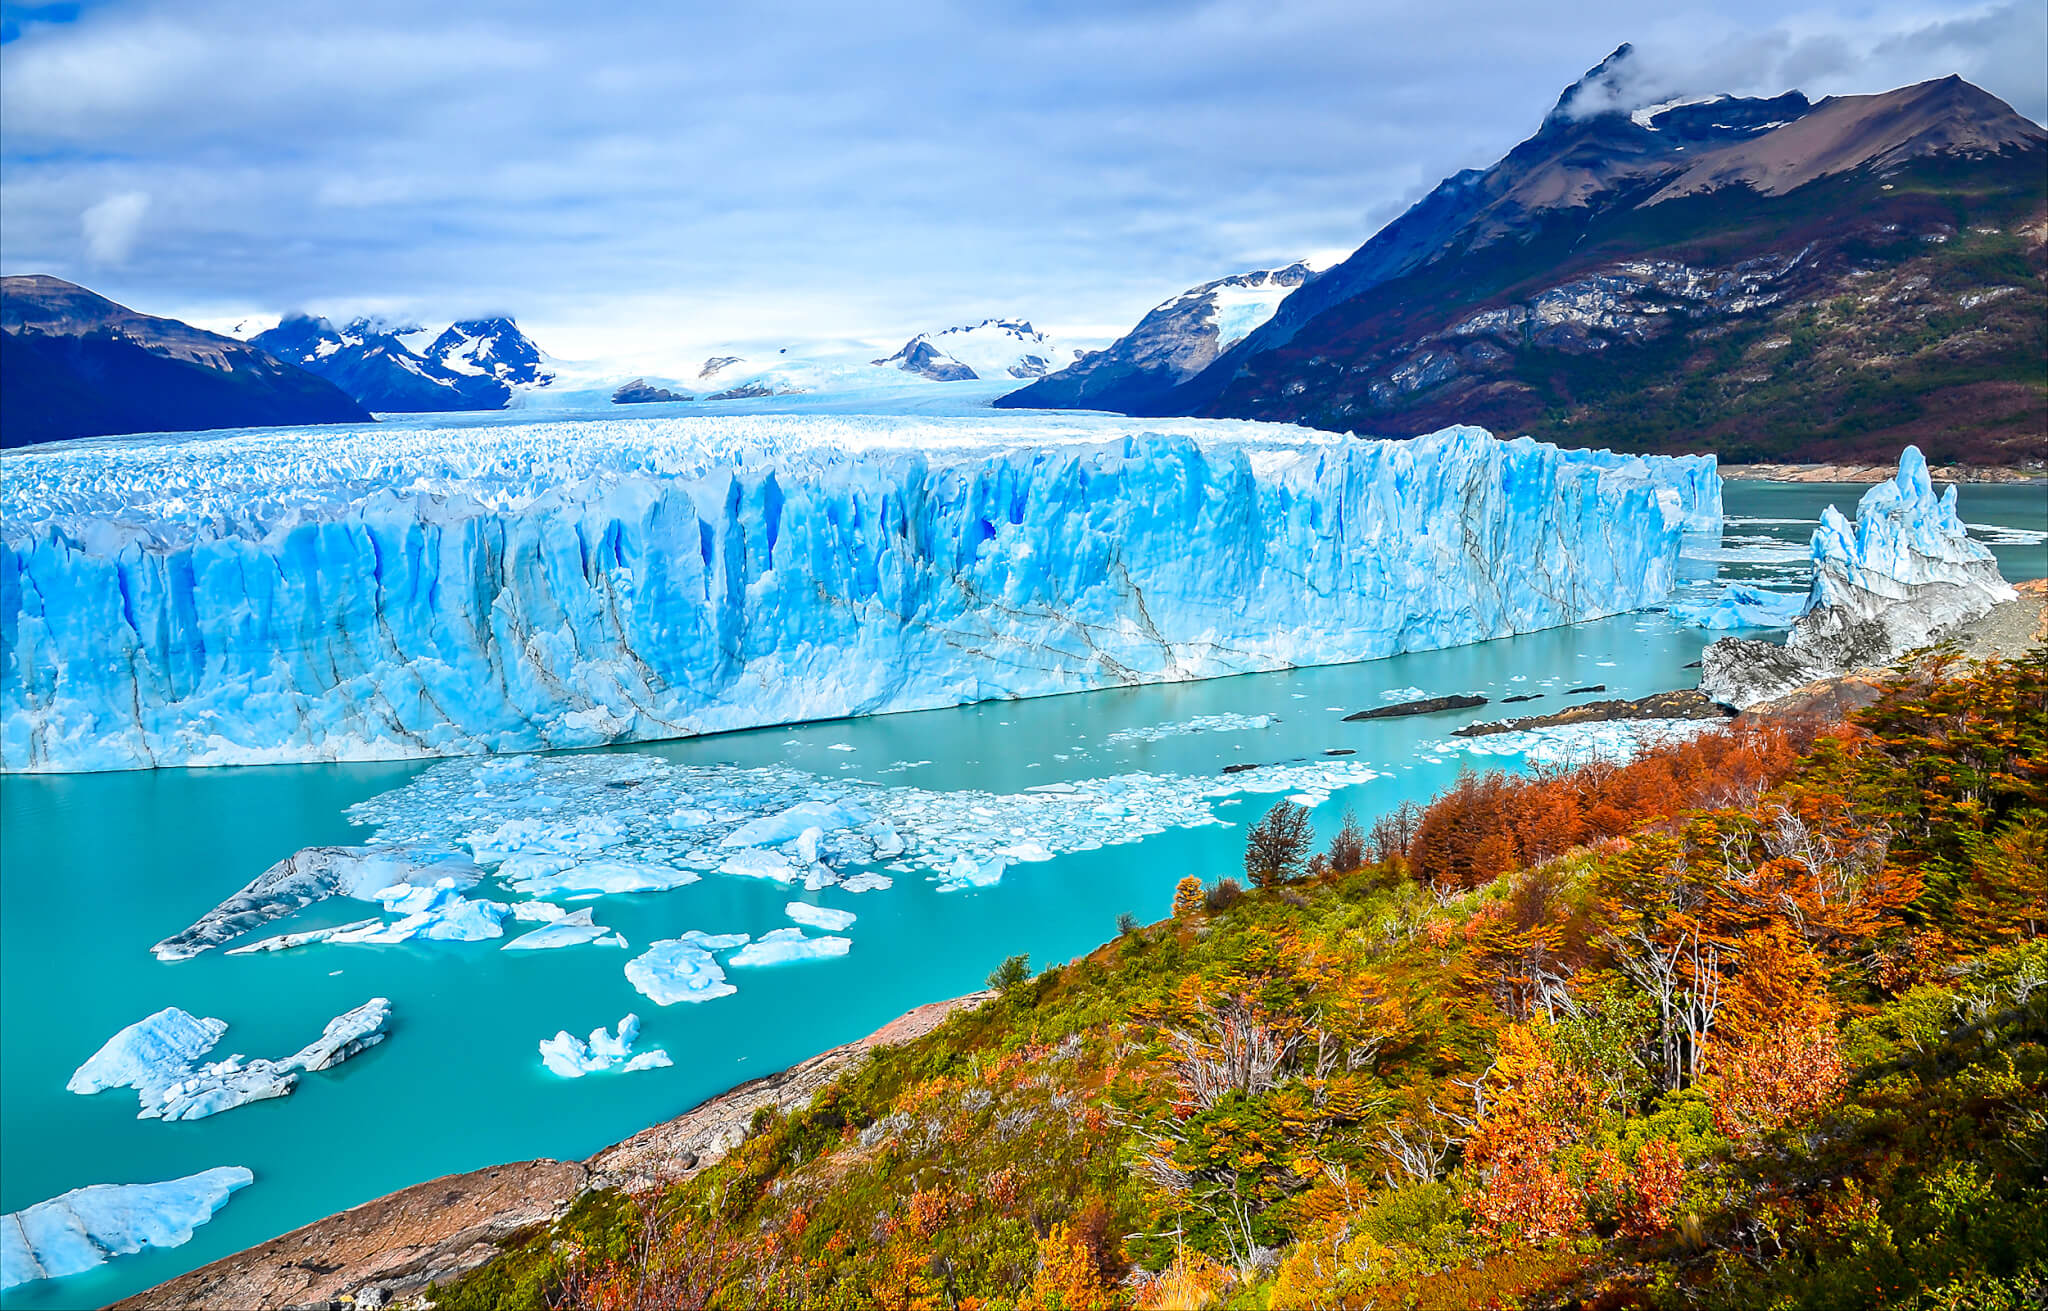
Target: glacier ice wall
column 288, row 596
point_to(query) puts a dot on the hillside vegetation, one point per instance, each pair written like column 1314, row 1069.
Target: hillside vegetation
column 1759, row 1019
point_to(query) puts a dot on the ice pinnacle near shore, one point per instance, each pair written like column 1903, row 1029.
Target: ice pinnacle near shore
column 264, row 598
column 81, row 1229
column 1904, row 575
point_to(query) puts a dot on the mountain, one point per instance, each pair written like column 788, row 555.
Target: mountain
column 1170, row 345
column 75, row 364
column 494, row 347
column 1763, row 278
column 374, row 363
column 992, row 348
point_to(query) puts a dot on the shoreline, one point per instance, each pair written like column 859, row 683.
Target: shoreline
column 392, row 1247
column 2009, row 475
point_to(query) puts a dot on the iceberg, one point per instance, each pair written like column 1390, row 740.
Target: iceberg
column 79, row 1230
column 819, row 917
column 158, row 1056
column 437, row 914
column 1904, row 575
column 310, row 875
column 267, row 597
column 780, row 946
column 169, row 1041
column 575, row 929
column 571, row 1057
column 681, row 969
column 304, row 938
column 754, row 863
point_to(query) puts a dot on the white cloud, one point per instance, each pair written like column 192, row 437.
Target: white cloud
column 112, row 225
column 797, row 170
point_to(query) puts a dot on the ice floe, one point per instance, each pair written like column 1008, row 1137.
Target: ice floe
column 571, row 1057
column 158, row 1056
column 1573, row 744
column 315, row 874
column 682, row 969
column 781, row 946
column 573, row 929
column 1225, row 723
column 549, row 876
column 81, row 1229
column 819, row 917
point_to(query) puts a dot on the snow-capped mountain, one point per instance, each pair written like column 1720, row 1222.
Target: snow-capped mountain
column 375, row 364
column 494, row 347
column 1172, row 343
column 992, row 348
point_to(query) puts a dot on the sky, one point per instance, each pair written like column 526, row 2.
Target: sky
column 641, row 178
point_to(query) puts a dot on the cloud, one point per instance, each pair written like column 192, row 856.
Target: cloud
column 798, row 170
column 112, row 225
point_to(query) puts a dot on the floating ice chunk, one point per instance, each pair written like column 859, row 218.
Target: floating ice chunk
column 967, row 872
column 604, row 876
column 1402, row 694
column 286, row 941
column 215, row 1087
column 570, row 1057
column 573, row 929
column 346, row 1035
column 155, row 1049
column 689, row 817
column 819, row 917
column 681, row 969
column 537, row 912
column 807, row 845
column 780, row 946
column 842, row 746
column 79, row 1230
column 1225, row 723
column 576, row 838
column 867, row 881
column 825, row 816
column 1024, row 851
column 309, row 875
column 443, row 915
column 758, row 864
column 158, row 1057
column 1572, row 744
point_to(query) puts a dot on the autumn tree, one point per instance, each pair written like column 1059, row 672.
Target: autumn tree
column 1347, row 850
column 1777, row 1055
column 1187, row 898
column 1277, row 846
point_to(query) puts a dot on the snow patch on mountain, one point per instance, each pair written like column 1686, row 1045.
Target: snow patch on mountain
column 992, row 348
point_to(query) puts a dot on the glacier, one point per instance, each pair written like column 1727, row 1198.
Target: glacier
column 79, row 1230
column 278, row 596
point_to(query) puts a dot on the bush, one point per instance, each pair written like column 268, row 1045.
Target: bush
column 1226, row 893
column 1013, row 971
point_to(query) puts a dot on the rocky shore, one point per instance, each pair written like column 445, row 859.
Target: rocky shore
column 383, row 1253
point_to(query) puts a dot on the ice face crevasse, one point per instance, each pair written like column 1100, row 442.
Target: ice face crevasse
column 271, row 598
column 1902, row 576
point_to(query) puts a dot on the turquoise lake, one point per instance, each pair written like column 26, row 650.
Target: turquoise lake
column 96, row 868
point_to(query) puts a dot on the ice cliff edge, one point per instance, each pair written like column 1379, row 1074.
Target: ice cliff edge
column 274, row 597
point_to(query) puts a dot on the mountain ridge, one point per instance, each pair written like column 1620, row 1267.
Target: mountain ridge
column 1612, row 253
column 74, row 363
